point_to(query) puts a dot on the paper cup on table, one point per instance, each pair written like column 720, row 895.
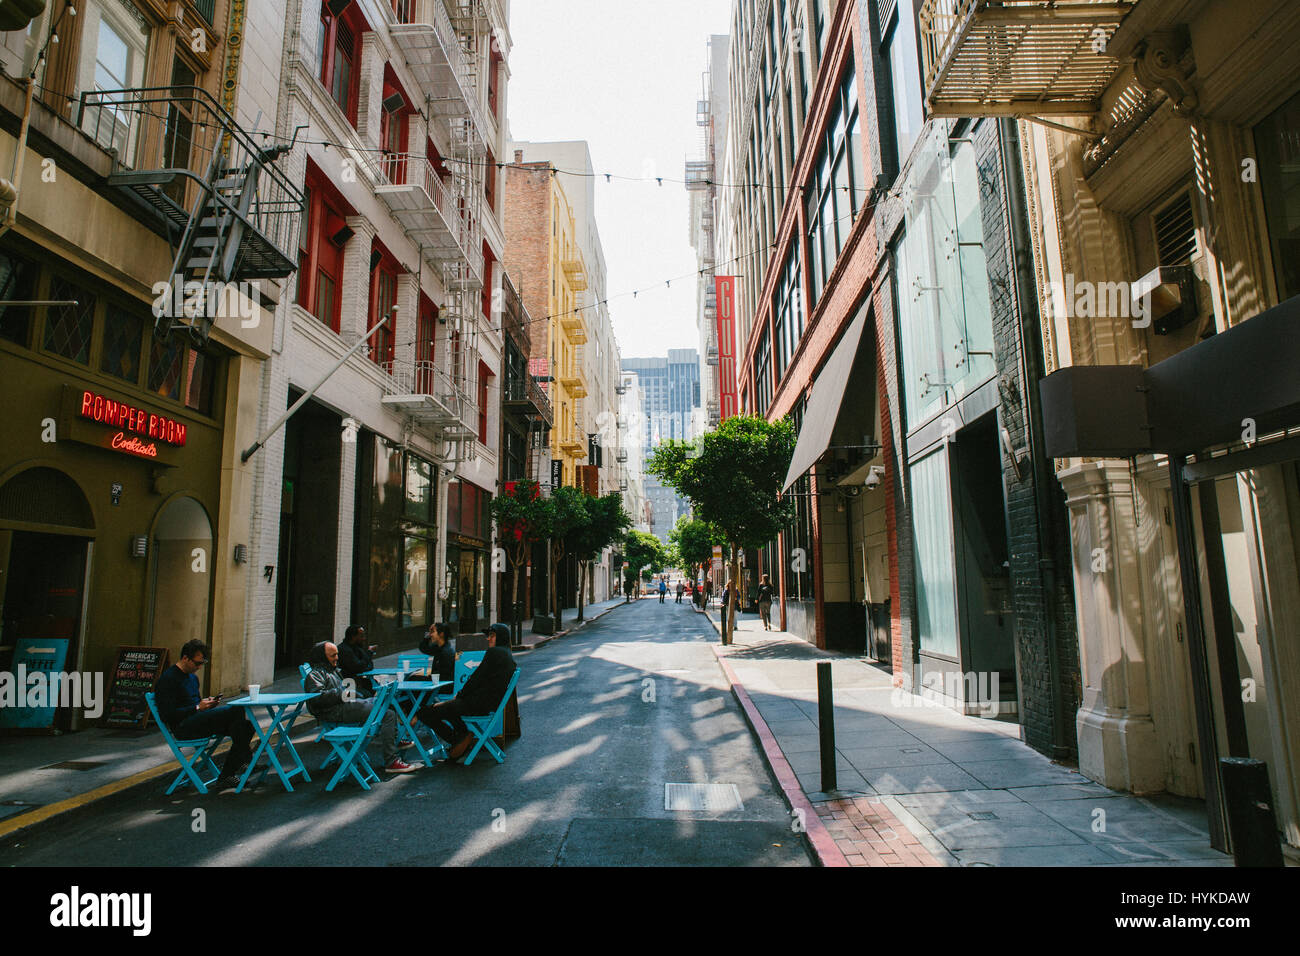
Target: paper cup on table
column 406, row 665
column 253, row 691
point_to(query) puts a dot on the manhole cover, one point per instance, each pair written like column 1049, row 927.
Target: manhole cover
column 708, row 797
column 982, row 815
column 75, row 765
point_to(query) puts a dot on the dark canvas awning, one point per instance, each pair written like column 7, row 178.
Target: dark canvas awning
column 824, row 402
column 1197, row 399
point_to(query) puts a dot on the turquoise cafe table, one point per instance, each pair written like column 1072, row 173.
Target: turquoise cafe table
column 283, row 710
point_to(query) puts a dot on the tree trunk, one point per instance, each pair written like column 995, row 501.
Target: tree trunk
column 732, row 597
column 557, row 555
column 582, row 590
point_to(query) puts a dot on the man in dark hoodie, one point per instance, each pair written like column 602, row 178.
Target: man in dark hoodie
column 333, row 706
column 480, row 695
column 355, row 658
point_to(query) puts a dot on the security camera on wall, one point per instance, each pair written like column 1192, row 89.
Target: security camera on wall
column 873, row 477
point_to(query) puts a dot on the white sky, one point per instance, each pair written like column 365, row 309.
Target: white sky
column 625, row 76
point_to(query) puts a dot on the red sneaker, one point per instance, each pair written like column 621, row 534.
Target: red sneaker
column 401, row 766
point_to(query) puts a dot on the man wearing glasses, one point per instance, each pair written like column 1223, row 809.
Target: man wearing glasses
column 189, row 718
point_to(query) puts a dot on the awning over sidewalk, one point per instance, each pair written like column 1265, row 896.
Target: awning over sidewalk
column 824, row 402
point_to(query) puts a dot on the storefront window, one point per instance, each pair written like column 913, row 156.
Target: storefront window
column 415, row 583
column 123, row 333
column 384, row 581
column 17, row 284
column 386, row 506
column 419, row 490
column 68, row 327
column 166, row 360
column 198, row 386
column 942, row 279
column 1277, row 139
column 936, row 595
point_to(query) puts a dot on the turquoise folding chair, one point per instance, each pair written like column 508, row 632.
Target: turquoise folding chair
column 482, row 726
column 349, row 742
column 324, row 725
column 200, row 759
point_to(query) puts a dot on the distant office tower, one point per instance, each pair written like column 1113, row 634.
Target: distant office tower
column 670, row 388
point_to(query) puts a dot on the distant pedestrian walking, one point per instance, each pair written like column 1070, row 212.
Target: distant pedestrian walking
column 681, row 589
column 765, row 594
column 663, row 590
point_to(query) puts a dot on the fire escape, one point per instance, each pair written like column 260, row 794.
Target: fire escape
column 700, row 182
column 440, row 205
column 230, row 214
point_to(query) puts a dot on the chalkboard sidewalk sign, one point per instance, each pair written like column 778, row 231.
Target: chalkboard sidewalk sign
column 136, row 672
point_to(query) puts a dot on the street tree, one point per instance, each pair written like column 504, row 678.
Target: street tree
column 565, row 511
column 693, row 541
column 644, row 554
column 733, row 478
column 605, row 524
column 520, row 516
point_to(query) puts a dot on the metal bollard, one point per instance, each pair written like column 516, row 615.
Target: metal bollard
column 826, row 724
column 1248, row 803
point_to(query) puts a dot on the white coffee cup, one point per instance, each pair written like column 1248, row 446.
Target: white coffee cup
column 253, row 691
column 406, row 665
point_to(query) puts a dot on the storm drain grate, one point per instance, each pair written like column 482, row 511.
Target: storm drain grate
column 75, row 765
column 982, row 815
column 707, row 797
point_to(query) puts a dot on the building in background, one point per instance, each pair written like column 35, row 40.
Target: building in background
column 702, row 183
column 889, row 324
column 670, row 390
column 632, row 452
column 125, row 509
column 598, row 355
column 374, row 497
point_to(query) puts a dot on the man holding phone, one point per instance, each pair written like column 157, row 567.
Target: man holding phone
column 356, row 657
column 188, row 717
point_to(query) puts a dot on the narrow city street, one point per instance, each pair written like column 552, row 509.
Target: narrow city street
column 610, row 714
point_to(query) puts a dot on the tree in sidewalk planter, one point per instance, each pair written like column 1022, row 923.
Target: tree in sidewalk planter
column 520, row 516
column 693, row 541
column 644, row 554
column 733, row 478
column 605, row 524
column 565, row 512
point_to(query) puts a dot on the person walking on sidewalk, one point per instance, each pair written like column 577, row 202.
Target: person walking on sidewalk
column 765, row 593
column 189, row 718
column 663, row 590
column 681, row 588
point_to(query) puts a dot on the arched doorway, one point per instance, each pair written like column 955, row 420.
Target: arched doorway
column 46, row 526
column 182, row 575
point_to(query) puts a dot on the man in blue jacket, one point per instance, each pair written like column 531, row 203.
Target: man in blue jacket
column 189, row 718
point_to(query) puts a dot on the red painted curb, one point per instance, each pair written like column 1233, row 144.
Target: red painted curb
column 824, row 846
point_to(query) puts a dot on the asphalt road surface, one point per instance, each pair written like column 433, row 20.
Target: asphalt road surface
column 609, row 716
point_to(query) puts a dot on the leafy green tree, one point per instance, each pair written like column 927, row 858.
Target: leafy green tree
column 520, row 516
column 564, row 513
column 693, row 541
column 733, row 477
column 606, row 522
column 644, row 553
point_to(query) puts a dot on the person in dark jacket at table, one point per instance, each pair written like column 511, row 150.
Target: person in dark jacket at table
column 189, row 718
column 355, row 658
column 437, row 644
column 333, row 705
column 481, row 694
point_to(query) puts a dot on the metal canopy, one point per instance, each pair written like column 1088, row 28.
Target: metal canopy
column 1018, row 57
column 824, row 402
column 1247, row 378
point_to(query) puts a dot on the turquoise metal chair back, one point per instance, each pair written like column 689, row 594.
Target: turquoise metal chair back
column 482, row 727
column 200, row 758
column 349, row 741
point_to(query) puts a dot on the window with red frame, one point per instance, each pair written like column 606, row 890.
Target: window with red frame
column 340, row 56
column 424, row 340
column 490, row 181
column 393, row 130
column 383, row 296
column 484, row 374
column 488, row 261
column 320, row 249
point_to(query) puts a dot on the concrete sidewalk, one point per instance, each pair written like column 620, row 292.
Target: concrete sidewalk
column 43, row 776
column 570, row 621
column 968, row 790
